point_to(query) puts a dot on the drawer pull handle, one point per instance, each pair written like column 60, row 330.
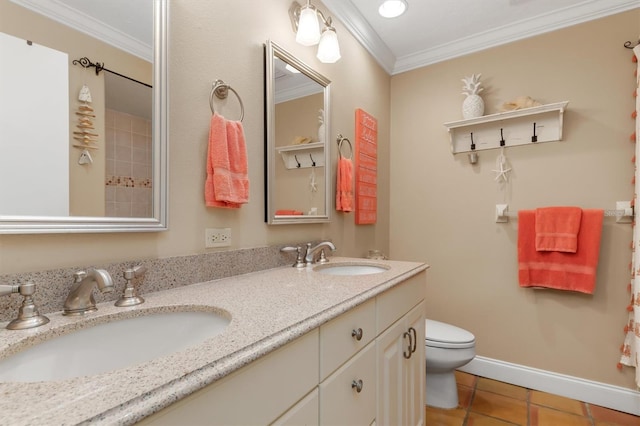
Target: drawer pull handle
column 357, row 385
column 407, row 353
column 415, row 339
column 357, row 334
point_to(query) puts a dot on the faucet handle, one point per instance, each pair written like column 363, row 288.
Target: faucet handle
column 130, row 296
column 300, row 263
column 79, row 276
column 28, row 315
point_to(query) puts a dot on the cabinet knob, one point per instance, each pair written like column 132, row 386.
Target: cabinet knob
column 357, row 334
column 357, row 385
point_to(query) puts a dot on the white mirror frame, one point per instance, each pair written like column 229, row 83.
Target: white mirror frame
column 272, row 50
column 159, row 221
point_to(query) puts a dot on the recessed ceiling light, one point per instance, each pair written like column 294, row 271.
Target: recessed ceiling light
column 392, row 8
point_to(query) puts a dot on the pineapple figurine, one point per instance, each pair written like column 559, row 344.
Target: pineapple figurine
column 473, row 105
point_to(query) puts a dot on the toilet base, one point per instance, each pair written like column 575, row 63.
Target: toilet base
column 441, row 390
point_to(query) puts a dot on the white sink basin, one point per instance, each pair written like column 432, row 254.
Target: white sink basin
column 350, row 269
column 110, row 346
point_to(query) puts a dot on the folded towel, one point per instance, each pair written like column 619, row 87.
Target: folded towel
column 560, row 270
column 557, row 228
column 227, row 183
column 344, row 185
column 288, row 213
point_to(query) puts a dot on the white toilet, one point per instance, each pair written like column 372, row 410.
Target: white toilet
column 447, row 348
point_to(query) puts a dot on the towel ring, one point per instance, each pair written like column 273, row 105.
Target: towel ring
column 341, row 139
column 221, row 90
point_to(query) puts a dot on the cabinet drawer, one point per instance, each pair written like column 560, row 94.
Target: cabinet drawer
column 255, row 394
column 397, row 301
column 342, row 404
column 304, row 412
column 337, row 340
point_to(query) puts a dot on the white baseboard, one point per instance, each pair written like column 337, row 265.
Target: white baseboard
column 614, row 397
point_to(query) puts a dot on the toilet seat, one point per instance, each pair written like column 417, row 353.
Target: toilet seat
column 442, row 335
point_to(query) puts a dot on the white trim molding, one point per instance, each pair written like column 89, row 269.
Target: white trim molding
column 354, row 21
column 602, row 394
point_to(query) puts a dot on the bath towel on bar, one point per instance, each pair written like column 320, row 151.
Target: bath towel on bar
column 344, row 185
column 227, row 183
column 557, row 228
column 560, row 270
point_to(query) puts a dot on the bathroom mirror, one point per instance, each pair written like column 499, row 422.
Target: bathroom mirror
column 297, row 115
column 126, row 37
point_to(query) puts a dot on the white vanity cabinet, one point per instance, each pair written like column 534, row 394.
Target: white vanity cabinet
column 350, row 370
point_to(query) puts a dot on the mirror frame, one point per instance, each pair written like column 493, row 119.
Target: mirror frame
column 272, row 50
column 159, row 221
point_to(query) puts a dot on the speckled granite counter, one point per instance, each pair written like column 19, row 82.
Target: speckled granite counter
column 268, row 309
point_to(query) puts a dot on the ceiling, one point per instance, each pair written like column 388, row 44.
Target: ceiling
column 431, row 31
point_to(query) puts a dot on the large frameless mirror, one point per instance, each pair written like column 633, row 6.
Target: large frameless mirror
column 83, row 116
column 297, row 140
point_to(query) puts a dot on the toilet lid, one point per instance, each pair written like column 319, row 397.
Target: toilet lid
column 440, row 334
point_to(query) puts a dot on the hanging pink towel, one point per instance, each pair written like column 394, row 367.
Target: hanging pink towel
column 344, row 185
column 227, row 183
column 557, row 228
column 560, row 270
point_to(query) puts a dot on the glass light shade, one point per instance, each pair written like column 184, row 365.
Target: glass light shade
column 308, row 29
column 329, row 49
column 392, row 8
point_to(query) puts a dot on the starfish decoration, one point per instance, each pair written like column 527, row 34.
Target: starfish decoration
column 502, row 169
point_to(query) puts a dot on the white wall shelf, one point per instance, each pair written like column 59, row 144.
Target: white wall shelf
column 292, row 155
column 517, row 128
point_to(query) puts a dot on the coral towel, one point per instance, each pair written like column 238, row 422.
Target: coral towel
column 227, row 183
column 557, row 228
column 344, row 185
column 560, row 270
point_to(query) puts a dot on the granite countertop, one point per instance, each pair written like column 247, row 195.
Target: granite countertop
column 268, row 309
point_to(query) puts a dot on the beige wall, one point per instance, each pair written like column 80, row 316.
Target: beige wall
column 443, row 207
column 209, row 42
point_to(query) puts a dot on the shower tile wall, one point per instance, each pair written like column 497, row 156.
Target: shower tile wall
column 128, row 165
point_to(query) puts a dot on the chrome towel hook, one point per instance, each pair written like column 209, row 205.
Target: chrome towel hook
column 221, row 90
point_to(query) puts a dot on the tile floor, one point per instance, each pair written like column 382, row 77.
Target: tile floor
column 486, row 402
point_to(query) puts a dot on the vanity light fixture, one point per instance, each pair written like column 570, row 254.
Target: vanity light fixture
column 392, row 8
column 306, row 25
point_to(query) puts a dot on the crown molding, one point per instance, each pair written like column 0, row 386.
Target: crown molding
column 86, row 24
column 362, row 31
column 353, row 20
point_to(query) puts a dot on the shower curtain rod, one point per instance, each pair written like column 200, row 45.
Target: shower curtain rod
column 86, row 63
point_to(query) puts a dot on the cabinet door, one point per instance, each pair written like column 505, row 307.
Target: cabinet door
column 401, row 371
column 389, row 352
column 414, row 373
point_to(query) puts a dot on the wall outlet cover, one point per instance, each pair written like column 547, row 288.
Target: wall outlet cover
column 217, row 237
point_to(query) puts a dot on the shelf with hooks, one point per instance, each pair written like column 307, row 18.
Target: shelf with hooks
column 520, row 127
column 302, row 156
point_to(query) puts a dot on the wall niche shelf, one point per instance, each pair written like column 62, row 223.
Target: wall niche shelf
column 514, row 127
column 302, row 156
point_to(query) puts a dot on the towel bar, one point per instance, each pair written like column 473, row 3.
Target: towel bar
column 623, row 212
column 221, row 90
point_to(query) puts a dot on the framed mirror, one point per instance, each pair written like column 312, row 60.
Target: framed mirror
column 297, row 130
column 78, row 152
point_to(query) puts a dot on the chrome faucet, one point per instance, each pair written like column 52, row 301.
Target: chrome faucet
column 309, row 256
column 80, row 299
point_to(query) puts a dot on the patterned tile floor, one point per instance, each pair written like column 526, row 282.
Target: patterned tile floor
column 486, row 402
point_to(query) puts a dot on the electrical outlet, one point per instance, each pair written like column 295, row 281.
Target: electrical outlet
column 217, row 237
